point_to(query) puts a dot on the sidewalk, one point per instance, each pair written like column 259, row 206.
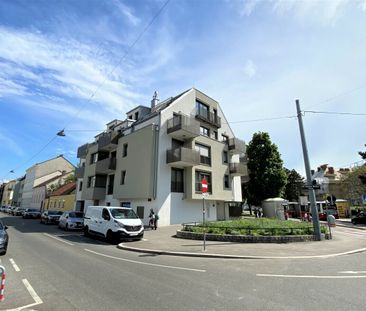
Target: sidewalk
column 162, row 241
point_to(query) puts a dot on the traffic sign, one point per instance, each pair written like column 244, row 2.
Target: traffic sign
column 204, row 185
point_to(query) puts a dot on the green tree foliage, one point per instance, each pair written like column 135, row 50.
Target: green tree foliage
column 294, row 185
column 362, row 177
column 267, row 175
column 353, row 185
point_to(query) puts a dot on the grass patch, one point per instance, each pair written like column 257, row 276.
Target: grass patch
column 256, row 226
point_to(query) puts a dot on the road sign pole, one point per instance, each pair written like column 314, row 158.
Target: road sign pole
column 314, row 210
column 204, row 222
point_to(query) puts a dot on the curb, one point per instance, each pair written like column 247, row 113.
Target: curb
column 223, row 256
column 349, row 226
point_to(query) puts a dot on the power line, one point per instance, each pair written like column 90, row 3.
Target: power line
column 333, row 112
column 264, row 119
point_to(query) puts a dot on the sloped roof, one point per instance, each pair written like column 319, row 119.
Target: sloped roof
column 45, row 183
column 64, row 190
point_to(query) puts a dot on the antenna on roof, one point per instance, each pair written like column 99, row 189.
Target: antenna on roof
column 155, row 100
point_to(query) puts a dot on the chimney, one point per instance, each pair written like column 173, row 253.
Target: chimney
column 331, row 170
column 155, row 100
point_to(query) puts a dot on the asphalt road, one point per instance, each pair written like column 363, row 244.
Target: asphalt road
column 50, row 269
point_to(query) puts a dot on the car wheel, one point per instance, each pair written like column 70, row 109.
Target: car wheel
column 86, row 232
column 110, row 237
column 354, row 222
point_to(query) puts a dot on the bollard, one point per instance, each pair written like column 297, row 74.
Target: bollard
column 2, row 283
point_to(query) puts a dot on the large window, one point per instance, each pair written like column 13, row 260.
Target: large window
column 225, row 157
column 177, row 184
column 205, row 153
column 93, row 158
column 202, row 109
column 124, row 152
column 198, row 180
column 226, row 182
column 91, row 181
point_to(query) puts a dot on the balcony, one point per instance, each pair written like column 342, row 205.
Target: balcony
column 82, row 151
column 209, row 117
column 79, row 172
column 106, row 165
column 238, row 169
column 182, row 157
column 236, row 145
column 183, row 127
column 93, row 193
column 108, row 141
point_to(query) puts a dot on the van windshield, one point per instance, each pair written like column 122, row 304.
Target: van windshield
column 120, row 213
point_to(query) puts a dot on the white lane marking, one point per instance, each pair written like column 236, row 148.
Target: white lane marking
column 58, row 239
column 352, row 272
column 15, row 266
column 145, row 263
column 32, row 292
column 313, row 276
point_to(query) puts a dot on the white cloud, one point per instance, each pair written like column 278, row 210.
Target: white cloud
column 363, row 5
column 250, row 69
column 127, row 12
column 248, row 6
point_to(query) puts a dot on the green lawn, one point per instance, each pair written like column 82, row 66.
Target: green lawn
column 256, row 226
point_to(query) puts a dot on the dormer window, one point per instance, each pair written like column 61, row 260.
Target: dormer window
column 136, row 115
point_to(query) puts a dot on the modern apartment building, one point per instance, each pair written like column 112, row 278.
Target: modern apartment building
column 157, row 157
column 41, row 172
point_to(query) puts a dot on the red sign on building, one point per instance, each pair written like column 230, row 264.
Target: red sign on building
column 204, row 185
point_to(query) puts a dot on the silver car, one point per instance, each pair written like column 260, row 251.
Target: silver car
column 71, row 220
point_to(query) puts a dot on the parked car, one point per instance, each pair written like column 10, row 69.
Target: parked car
column 3, row 208
column 32, row 213
column 18, row 211
column 113, row 223
column 51, row 217
column 71, row 220
column 11, row 210
column 360, row 218
column 4, row 238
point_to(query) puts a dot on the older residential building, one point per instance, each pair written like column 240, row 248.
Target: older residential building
column 157, row 158
column 43, row 190
column 8, row 193
column 62, row 199
column 41, row 172
column 18, row 191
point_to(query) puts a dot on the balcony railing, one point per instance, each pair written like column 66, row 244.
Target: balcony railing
column 105, row 165
column 79, row 172
column 182, row 126
column 209, row 117
column 108, row 141
column 82, row 151
column 238, row 169
column 184, row 157
column 236, row 145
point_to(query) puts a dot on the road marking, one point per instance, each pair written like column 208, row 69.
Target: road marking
column 58, row 239
column 32, row 292
column 352, row 272
column 15, row 266
column 145, row 263
column 313, row 276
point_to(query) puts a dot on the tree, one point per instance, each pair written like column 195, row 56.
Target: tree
column 353, row 186
column 362, row 177
column 293, row 188
column 267, row 177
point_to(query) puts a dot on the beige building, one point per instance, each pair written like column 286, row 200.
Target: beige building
column 8, row 193
column 62, row 199
column 40, row 173
column 157, row 157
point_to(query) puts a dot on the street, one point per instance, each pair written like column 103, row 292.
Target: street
column 50, row 269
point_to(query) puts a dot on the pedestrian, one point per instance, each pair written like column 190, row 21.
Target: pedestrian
column 152, row 219
column 156, row 218
column 256, row 212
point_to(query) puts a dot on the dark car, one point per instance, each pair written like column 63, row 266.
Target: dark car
column 4, row 238
column 51, row 217
column 31, row 213
column 360, row 218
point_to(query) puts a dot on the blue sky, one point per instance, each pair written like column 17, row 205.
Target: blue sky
column 254, row 57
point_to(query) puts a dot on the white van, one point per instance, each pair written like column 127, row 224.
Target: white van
column 113, row 222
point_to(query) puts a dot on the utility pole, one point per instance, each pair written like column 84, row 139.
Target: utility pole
column 310, row 186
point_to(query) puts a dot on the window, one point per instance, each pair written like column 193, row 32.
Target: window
column 93, row 158
column 124, row 154
column 225, row 157
column 123, row 177
column 130, row 117
column 202, row 109
column 205, row 154
column 215, row 135
column 204, row 131
column 136, row 115
column 140, row 211
column 80, row 185
column 177, row 184
column 226, row 182
column 225, row 138
column 91, row 181
column 198, row 180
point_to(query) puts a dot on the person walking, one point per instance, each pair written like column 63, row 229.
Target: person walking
column 152, row 219
column 156, row 218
